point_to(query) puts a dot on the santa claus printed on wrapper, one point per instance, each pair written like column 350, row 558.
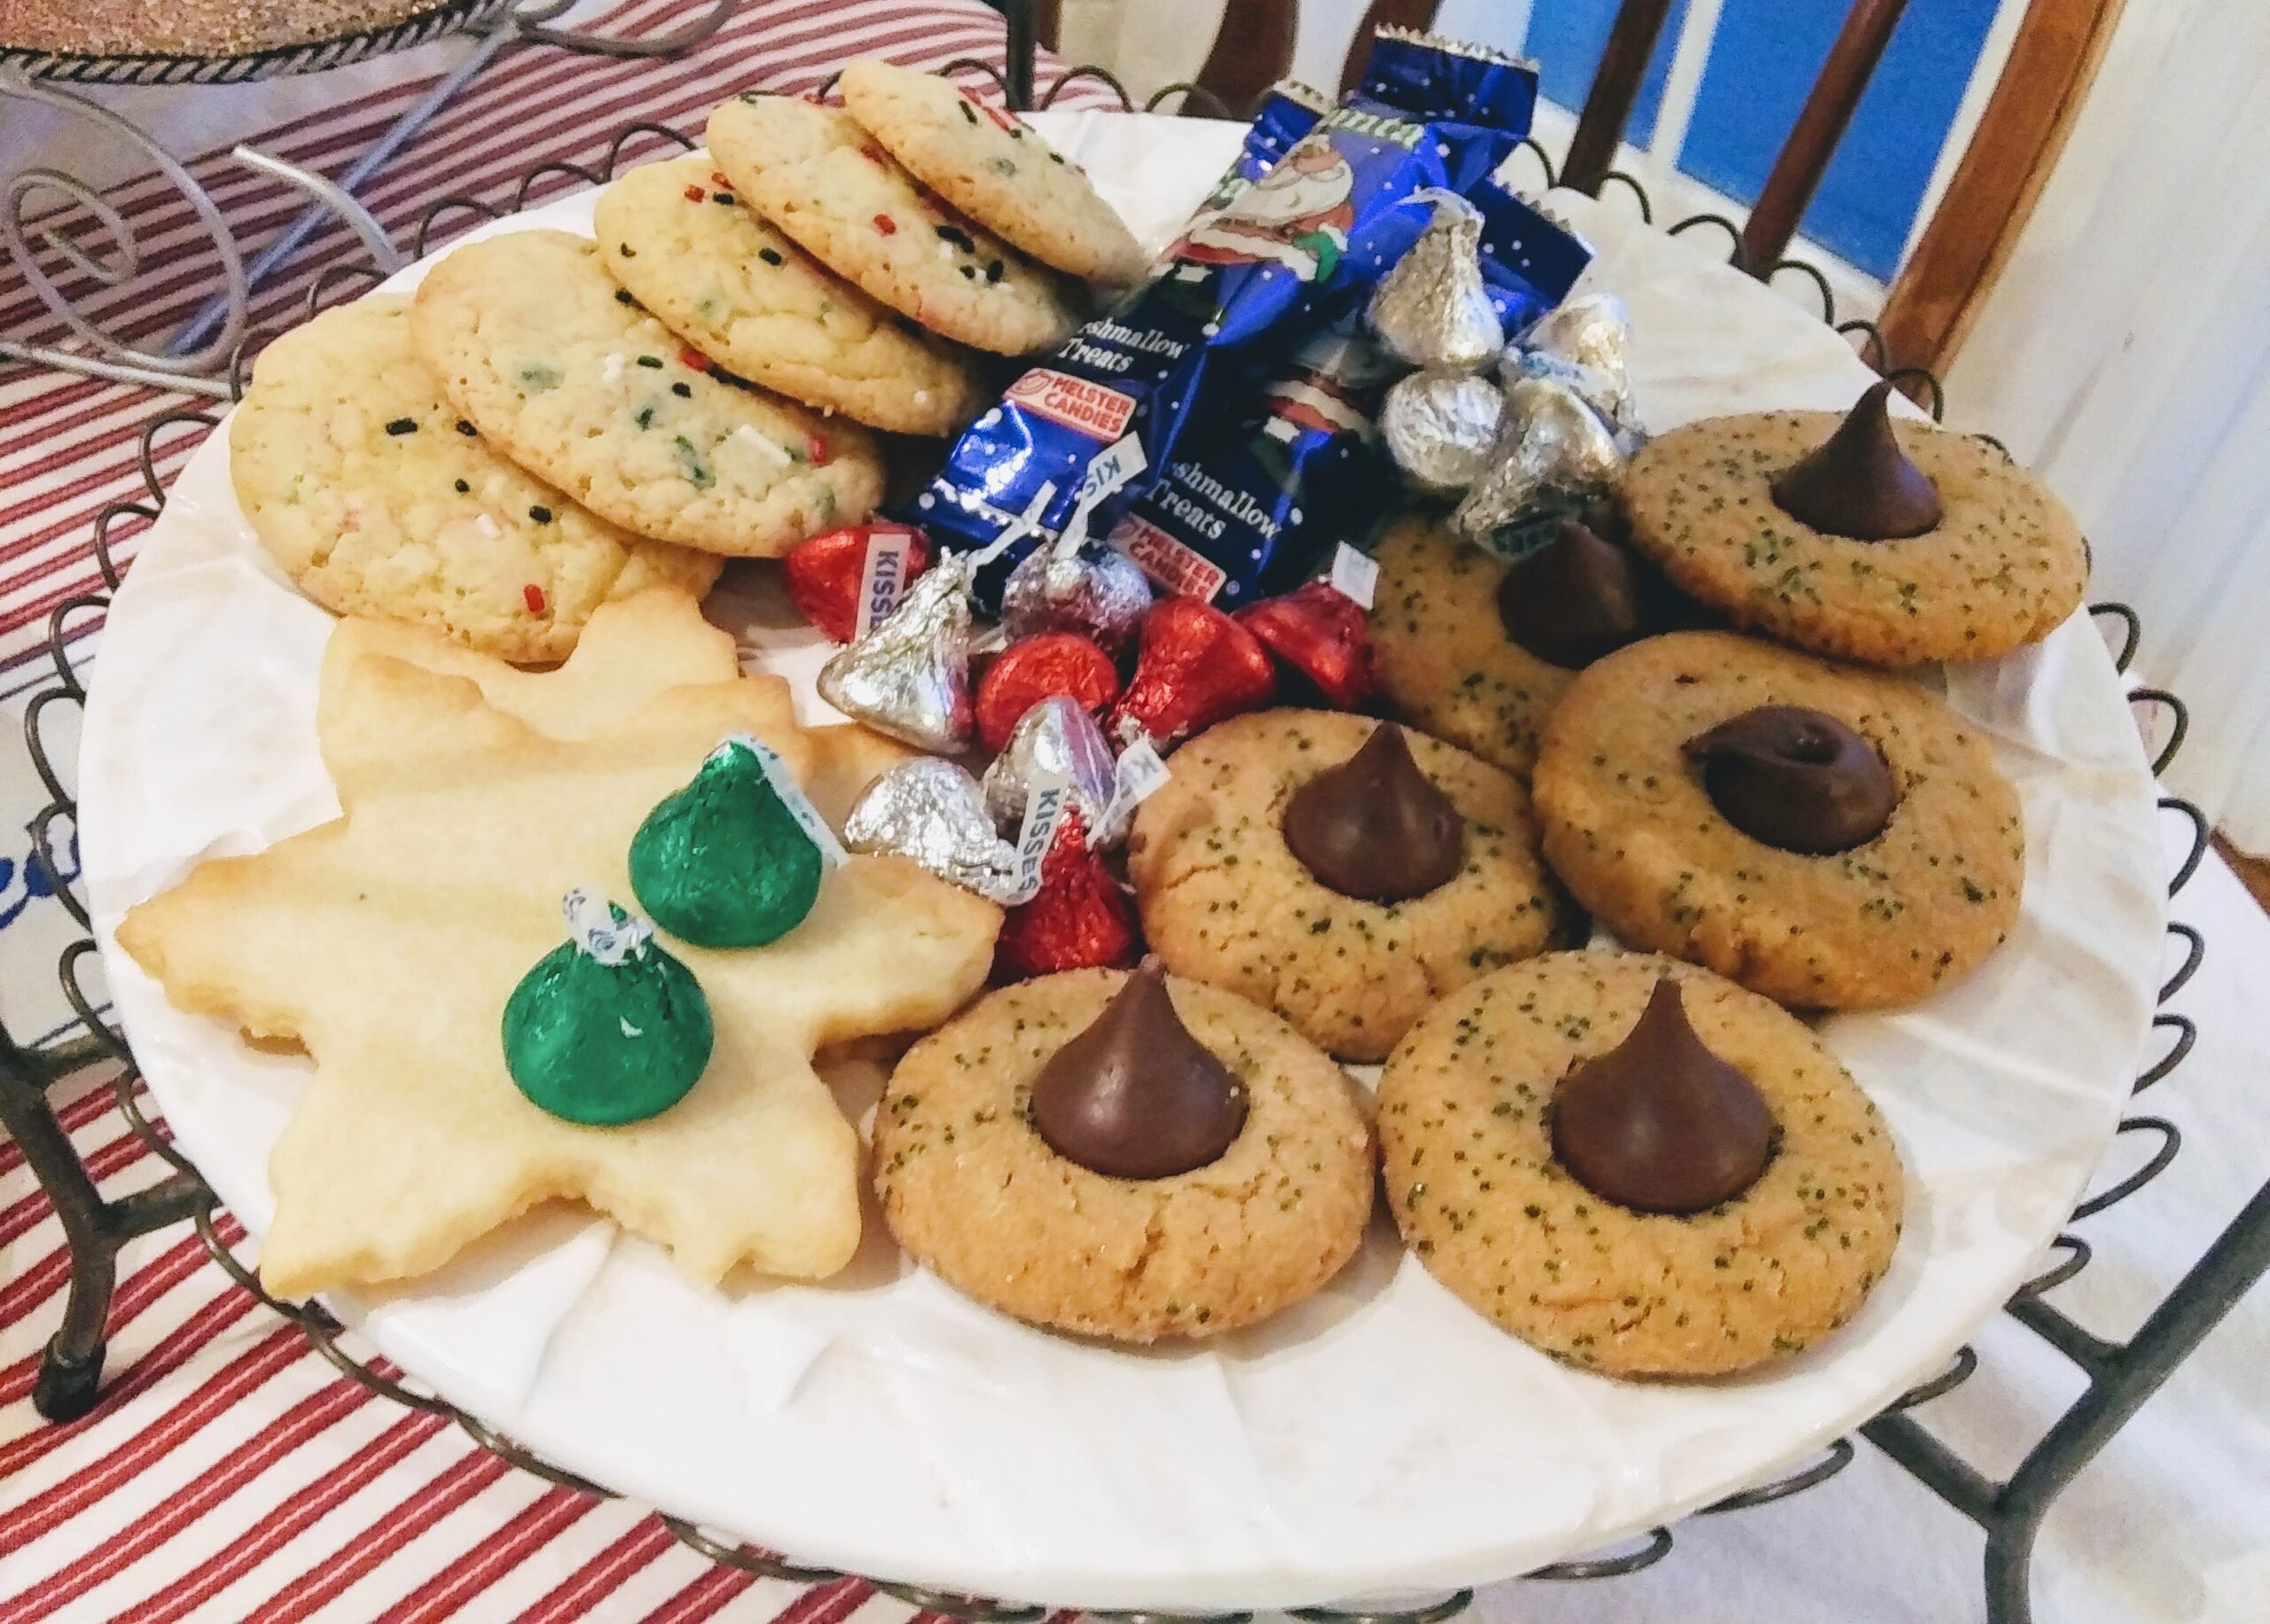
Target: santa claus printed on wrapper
column 1296, row 216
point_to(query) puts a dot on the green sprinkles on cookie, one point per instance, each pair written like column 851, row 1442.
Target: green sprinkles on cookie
column 1631, row 825
column 1501, row 1222
column 2004, row 565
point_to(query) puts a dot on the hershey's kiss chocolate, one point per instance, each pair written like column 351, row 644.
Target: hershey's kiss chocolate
column 1583, row 341
column 608, row 1028
column 1071, row 585
column 1573, row 600
column 1375, row 826
column 1553, row 453
column 1659, row 1124
column 1589, row 329
column 1796, row 779
column 1858, row 483
column 932, row 811
column 1432, row 309
column 909, row 676
column 1136, row 1096
column 1609, row 394
column 1441, row 428
column 1056, row 739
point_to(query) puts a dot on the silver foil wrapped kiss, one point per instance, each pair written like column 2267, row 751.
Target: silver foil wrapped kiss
column 1068, row 586
column 1432, row 309
column 933, row 811
column 1584, row 342
column 909, row 676
column 1442, row 428
column 1057, row 739
column 1554, row 453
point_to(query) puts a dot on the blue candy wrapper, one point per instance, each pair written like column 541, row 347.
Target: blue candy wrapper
column 1530, row 260
column 1233, row 523
column 1288, row 111
column 1295, row 246
column 1248, row 515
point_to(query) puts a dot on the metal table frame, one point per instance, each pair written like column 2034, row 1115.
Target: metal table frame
column 195, row 359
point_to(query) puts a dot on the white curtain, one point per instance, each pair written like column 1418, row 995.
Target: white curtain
column 2125, row 355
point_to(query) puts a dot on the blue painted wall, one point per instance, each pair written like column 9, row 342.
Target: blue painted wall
column 1762, row 63
column 1567, row 36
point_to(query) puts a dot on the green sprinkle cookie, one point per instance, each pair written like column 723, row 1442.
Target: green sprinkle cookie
column 1467, row 1151
column 2003, row 567
column 1632, row 826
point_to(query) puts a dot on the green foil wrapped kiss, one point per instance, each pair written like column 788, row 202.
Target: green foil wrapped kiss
column 728, row 862
column 608, row 1028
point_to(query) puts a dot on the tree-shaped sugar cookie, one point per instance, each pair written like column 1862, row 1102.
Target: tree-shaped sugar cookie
column 633, row 650
column 388, row 942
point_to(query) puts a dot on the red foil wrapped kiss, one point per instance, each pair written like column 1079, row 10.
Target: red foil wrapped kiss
column 825, row 575
column 1079, row 919
column 1198, row 667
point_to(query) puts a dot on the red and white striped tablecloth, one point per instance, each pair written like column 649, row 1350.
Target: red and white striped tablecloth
column 229, row 1473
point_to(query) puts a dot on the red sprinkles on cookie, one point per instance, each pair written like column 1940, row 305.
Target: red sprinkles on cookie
column 532, row 596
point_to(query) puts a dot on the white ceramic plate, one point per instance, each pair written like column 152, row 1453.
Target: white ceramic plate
column 1379, row 1439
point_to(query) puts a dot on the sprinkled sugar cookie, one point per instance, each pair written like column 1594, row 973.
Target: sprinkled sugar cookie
column 994, row 168
column 528, row 337
column 761, row 307
column 370, row 493
column 1339, row 870
column 1475, row 650
column 820, row 177
column 1830, row 837
column 1636, row 1165
column 1126, row 1156
column 1889, row 544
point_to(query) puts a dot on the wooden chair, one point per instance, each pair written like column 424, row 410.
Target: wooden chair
column 1939, row 290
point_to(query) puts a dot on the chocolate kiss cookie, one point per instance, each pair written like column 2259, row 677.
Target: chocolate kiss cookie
column 1481, row 1104
column 1573, row 600
column 1659, row 1124
column 1760, row 517
column 1860, row 483
column 1796, row 779
column 1373, row 826
column 1135, row 1095
column 1704, row 864
column 981, row 1129
column 1237, row 888
column 1475, row 650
